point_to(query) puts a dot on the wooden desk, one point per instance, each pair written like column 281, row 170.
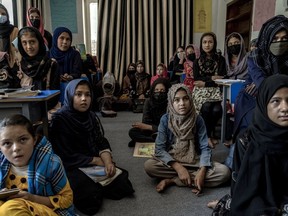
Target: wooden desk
column 22, row 105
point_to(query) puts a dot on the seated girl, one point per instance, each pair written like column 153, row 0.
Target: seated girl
column 260, row 163
column 154, row 107
column 182, row 154
column 36, row 68
column 78, row 138
column 29, row 164
column 160, row 73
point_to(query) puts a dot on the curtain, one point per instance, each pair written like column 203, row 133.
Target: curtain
column 148, row 30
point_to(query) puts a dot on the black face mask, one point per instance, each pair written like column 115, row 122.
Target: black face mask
column 191, row 56
column 160, row 96
column 234, row 49
column 35, row 23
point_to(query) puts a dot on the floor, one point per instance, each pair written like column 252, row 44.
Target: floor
column 146, row 201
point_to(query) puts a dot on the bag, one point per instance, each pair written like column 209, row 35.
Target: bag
column 138, row 105
column 202, row 95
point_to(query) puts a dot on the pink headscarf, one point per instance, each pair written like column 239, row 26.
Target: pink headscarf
column 164, row 74
column 41, row 27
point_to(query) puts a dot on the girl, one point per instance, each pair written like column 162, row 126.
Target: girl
column 183, row 156
column 31, row 166
column 154, row 107
column 270, row 57
column 8, row 33
column 236, row 57
column 192, row 53
column 36, row 68
column 142, row 80
column 261, row 156
column 78, row 138
column 161, row 72
column 34, row 19
column 129, row 81
column 206, row 93
column 69, row 60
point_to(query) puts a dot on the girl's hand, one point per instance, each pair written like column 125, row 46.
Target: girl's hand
column 110, row 169
column 20, row 74
column 199, row 83
column 140, row 125
column 24, row 195
column 199, row 179
column 183, row 173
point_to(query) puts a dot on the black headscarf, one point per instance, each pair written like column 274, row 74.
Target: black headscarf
column 34, row 66
column 5, row 31
column 158, row 108
column 262, row 56
column 79, row 134
column 208, row 65
column 261, row 184
column 78, row 121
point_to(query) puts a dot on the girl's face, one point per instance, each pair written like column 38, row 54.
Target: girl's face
column 64, row 41
column 3, row 12
column 207, row 43
column 131, row 68
column 190, row 50
column 82, row 98
column 159, row 88
column 181, row 102
column 140, row 68
column 16, row 144
column 34, row 15
column 160, row 70
column 281, row 35
column 233, row 41
column 30, row 44
column 277, row 108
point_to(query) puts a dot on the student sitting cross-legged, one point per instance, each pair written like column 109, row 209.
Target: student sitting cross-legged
column 182, row 154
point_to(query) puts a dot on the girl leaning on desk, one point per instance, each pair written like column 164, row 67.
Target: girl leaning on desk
column 36, row 68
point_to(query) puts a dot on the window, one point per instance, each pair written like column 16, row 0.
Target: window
column 93, row 26
column 90, row 24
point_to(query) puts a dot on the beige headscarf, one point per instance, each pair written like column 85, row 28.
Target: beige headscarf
column 183, row 127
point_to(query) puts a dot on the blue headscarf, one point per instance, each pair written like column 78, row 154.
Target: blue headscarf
column 62, row 57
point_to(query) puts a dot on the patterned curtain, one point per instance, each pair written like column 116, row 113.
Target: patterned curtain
column 150, row 30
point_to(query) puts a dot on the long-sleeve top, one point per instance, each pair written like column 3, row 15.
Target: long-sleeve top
column 46, row 177
column 75, row 146
column 151, row 116
column 165, row 139
column 207, row 77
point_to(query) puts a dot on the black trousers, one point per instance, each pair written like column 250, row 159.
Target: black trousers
column 139, row 135
column 211, row 112
column 88, row 195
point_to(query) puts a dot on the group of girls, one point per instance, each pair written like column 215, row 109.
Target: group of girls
column 42, row 62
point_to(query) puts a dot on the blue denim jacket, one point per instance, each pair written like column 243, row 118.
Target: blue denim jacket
column 165, row 139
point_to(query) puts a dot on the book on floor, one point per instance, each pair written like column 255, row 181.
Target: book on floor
column 144, row 149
